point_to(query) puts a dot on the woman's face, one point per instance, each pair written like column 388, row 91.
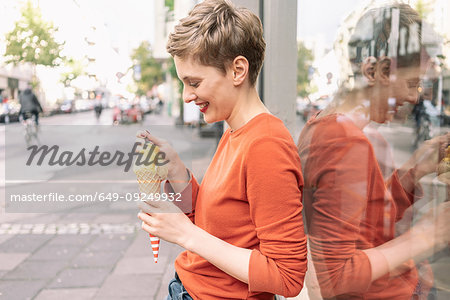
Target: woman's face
column 208, row 88
column 391, row 90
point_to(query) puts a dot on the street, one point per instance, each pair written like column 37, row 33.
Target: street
column 90, row 250
column 87, row 250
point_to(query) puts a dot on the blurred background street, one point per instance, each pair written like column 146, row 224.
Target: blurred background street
column 104, row 63
column 90, row 251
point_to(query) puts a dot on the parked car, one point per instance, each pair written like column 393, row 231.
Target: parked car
column 9, row 111
column 314, row 107
column 83, row 105
column 301, row 105
column 125, row 113
column 145, row 105
column 67, row 106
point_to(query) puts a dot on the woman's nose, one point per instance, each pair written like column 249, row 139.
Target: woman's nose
column 188, row 96
column 413, row 96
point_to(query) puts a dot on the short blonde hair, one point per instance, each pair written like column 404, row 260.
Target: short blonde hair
column 215, row 32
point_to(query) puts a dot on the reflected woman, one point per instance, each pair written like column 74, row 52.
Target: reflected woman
column 354, row 195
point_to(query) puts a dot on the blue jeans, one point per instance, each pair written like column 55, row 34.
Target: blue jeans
column 177, row 290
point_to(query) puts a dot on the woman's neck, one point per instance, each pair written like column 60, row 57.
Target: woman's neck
column 354, row 105
column 249, row 106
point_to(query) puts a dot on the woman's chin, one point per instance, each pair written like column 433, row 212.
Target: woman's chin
column 209, row 119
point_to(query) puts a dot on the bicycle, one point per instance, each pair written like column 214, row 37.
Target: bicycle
column 31, row 129
column 423, row 130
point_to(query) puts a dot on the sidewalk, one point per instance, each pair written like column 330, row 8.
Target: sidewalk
column 89, row 252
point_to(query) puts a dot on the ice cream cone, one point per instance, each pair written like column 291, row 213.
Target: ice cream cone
column 149, row 178
column 154, row 240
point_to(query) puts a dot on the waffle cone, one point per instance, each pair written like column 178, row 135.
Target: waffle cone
column 149, row 180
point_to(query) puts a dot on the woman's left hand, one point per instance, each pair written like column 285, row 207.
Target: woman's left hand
column 166, row 221
column 426, row 159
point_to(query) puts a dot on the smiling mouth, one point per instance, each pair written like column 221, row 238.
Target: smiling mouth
column 203, row 106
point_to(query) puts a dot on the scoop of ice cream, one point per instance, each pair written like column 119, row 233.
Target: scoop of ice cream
column 149, row 153
column 444, row 167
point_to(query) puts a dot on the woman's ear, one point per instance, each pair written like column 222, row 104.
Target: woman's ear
column 383, row 70
column 239, row 69
column 368, row 70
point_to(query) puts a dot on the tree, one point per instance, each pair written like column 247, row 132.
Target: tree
column 147, row 71
column 32, row 40
column 173, row 72
column 75, row 69
column 169, row 4
column 423, row 8
column 304, row 64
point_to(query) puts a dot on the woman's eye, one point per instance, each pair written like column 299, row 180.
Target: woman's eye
column 194, row 84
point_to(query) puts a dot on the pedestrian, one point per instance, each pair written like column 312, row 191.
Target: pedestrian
column 244, row 236
column 5, row 106
column 98, row 107
column 358, row 204
column 29, row 105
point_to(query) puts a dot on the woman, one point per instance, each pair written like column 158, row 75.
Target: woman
column 354, row 197
column 244, row 236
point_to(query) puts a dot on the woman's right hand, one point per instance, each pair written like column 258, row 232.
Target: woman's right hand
column 435, row 225
column 177, row 173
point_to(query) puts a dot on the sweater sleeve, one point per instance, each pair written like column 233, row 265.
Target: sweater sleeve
column 188, row 196
column 274, row 182
column 337, row 181
column 402, row 198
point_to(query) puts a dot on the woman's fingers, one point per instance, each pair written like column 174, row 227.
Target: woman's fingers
column 148, row 229
column 145, row 135
column 147, row 221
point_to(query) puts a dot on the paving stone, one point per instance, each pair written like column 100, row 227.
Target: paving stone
column 8, row 261
column 20, row 290
column 132, row 286
column 55, row 252
column 78, row 278
column 141, row 265
column 108, row 243
column 93, row 209
column 169, row 274
column 5, row 237
column 141, row 245
column 24, row 243
column 113, row 218
column 42, row 219
column 78, row 217
column 36, row 270
column 71, row 240
column 96, row 259
column 72, row 294
column 125, row 206
column 125, row 298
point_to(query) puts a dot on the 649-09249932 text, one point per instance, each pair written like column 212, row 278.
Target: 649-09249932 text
column 101, row 197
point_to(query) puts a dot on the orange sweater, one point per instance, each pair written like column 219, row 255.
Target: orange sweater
column 250, row 197
column 349, row 207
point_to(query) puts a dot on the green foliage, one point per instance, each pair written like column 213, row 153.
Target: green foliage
column 304, row 62
column 151, row 70
column 169, row 4
column 32, row 41
column 76, row 68
column 423, row 8
column 173, row 72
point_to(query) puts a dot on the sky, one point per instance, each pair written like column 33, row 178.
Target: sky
column 321, row 18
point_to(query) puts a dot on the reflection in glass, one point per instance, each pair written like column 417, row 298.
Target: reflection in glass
column 377, row 216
